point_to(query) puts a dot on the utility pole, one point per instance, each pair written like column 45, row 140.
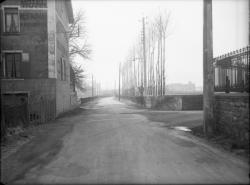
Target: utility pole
column 119, row 81
column 144, row 55
column 92, row 86
column 135, row 80
column 115, row 89
column 3, row 126
column 208, row 74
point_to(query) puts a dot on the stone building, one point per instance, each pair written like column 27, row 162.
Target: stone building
column 35, row 54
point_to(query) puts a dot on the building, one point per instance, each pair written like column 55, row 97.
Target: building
column 35, row 64
column 178, row 87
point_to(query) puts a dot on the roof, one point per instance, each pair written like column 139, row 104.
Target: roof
column 69, row 10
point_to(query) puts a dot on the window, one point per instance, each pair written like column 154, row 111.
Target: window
column 12, row 65
column 11, row 20
column 63, row 69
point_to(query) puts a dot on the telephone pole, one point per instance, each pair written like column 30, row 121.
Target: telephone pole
column 144, row 55
column 3, row 127
column 208, row 75
column 92, row 86
column 119, row 81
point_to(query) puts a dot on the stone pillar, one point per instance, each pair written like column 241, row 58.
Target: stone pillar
column 208, row 75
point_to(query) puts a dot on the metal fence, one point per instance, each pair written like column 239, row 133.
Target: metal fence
column 231, row 71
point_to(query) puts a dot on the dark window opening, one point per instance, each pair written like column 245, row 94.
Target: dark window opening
column 12, row 65
column 63, row 70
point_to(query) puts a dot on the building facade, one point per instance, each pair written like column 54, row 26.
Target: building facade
column 35, row 53
column 179, row 87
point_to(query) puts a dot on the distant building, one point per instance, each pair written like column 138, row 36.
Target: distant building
column 199, row 88
column 35, row 53
column 178, row 87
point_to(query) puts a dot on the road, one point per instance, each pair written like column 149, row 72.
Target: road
column 111, row 142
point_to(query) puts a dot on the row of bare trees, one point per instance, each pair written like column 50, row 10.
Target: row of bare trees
column 151, row 60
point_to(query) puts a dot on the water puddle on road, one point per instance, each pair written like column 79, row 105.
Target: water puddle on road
column 185, row 129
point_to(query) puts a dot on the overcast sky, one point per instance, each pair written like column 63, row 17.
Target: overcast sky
column 114, row 26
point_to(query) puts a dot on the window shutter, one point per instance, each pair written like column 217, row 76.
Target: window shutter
column 8, row 65
column 17, row 64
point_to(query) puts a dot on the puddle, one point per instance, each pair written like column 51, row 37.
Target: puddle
column 185, row 129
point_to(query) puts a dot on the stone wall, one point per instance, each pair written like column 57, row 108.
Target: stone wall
column 192, row 102
column 170, row 102
column 231, row 113
column 88, row 99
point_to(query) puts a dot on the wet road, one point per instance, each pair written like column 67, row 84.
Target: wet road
column 111, row 143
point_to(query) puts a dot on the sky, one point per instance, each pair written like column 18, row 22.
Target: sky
column 113, row 27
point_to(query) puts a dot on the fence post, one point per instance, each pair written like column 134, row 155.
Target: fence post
column 242, row 86
column 27, row 113
column 227, row 85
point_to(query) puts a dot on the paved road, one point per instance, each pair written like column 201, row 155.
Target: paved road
column 111, row 143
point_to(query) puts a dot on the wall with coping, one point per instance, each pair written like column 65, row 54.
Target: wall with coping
column 170, row 102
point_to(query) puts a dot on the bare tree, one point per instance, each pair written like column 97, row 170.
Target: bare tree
column 78, row 76
column 156, row 35
column 162, row 26
column 151, row 41
column 78, row 45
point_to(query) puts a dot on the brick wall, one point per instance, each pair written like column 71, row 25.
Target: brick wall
column 231, row 113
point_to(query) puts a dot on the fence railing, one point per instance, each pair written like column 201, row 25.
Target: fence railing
column 231, row 71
